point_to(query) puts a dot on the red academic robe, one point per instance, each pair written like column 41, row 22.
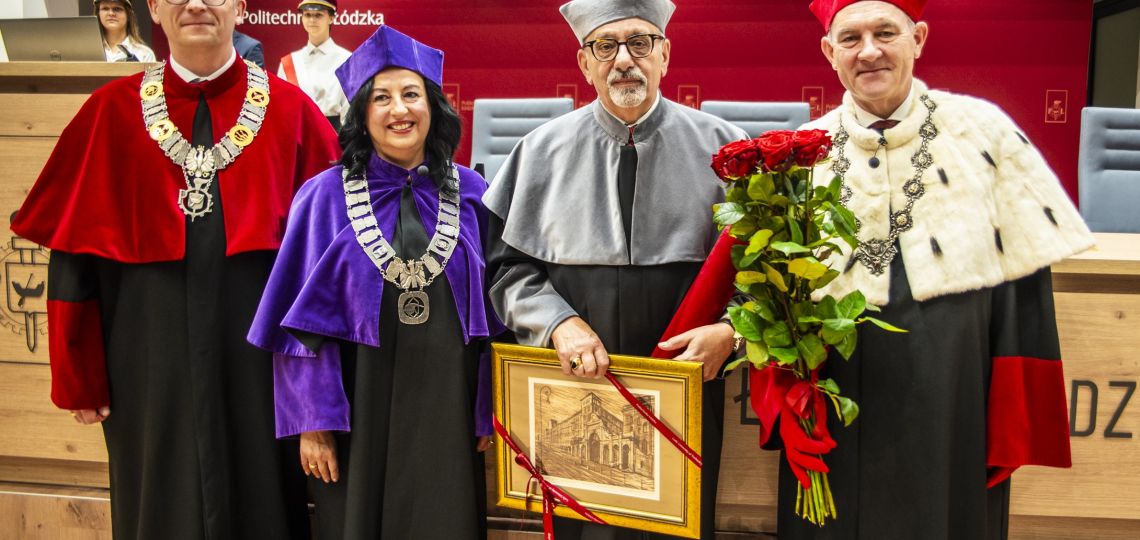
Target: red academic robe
column 108, row 190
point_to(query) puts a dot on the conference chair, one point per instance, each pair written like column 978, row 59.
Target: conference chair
column 1108, row 174
column 500, row 123
column 756, row 117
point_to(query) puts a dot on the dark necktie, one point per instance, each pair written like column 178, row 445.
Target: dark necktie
column 627, row 181
column 882, row 125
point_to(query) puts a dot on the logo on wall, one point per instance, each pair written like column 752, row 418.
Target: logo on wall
column 25, row 271
column 813, row 96
column 689, row 95
column 1056, row 106
column 451, row 90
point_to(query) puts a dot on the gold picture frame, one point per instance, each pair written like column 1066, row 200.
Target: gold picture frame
column 594, row 445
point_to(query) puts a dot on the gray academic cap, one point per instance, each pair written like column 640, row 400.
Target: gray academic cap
column 585, row 16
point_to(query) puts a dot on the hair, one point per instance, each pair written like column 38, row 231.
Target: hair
column 439, row 147
column 132, row 22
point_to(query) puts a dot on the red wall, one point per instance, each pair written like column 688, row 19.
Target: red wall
column 1013, row 52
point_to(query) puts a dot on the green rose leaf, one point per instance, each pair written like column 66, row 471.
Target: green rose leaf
column 812, row 350
column 733, row 364
column 775, row 277
column 789, row 248
column 822, row 281
column 776, row 335
column 758, row 242
column 835, row 330
column 852, row 305
column 829, row 386
column 766, row 310
column 748, row 277
column 727, row 213
column 826, row 308
column 846, row 346
column 757, row 353
column 883, row 324
column 796, row 230
column 748, row 324
column 761, row 187
column 807, row 268
column 784, row 355
column 848, row 410
column 743, row 228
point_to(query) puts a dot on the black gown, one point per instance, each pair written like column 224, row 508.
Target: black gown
column 629, row 308
column 191, row 445
column 913, row 465
column 408, row 468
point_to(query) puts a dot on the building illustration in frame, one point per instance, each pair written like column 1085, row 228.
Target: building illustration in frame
column 589, row 433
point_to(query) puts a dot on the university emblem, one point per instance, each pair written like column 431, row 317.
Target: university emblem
column 24, row 269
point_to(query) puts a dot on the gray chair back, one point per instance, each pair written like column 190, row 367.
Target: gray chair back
column 756, row 117
column 1108, row 174
column 498, row 125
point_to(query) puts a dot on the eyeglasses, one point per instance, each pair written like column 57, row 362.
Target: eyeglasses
column 211, row 3
column 638, row 45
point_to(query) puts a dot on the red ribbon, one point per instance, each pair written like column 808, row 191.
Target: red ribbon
column 552, row 495
column 655, row 422
column 777, row 394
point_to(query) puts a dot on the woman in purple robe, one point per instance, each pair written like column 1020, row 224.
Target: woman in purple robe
column 377, row 316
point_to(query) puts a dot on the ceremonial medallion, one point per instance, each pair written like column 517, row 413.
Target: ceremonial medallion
column 413, row 307
column 200, row 164
column 413, row 275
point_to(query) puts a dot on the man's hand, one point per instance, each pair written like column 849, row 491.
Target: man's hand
column 318, row 455
column 579, row 349
column 91, row 416
column 710, row 344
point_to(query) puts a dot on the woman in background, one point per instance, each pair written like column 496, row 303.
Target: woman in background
column 120, row 31
column 376, row 312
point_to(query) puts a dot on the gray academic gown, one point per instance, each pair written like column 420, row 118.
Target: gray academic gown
column 559, row 243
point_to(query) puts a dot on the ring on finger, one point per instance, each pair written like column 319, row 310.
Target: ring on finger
column 576, row 362
column 312, row 465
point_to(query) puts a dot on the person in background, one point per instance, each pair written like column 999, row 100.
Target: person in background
column 960, row 218
column 120, row 31
column 601, row 218
column 163, row 204
column 313, row 67
column 248, row 47
column 377, row 315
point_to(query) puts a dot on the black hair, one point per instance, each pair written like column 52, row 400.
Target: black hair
column 439, row 147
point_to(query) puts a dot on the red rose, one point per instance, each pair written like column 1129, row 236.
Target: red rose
column 811, row 146
column 736, row 159
column 777, row 148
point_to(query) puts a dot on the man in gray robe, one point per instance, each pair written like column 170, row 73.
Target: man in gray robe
column 605, row 217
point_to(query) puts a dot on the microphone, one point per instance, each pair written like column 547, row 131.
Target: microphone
column 422, row 170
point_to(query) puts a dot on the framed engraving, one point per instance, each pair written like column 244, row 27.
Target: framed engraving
column 585, row 438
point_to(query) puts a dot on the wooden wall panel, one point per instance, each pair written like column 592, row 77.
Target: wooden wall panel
column 29, row 513
column 38, row 115
column 33, row 427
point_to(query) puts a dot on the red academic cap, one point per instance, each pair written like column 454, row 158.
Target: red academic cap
column 825, row 10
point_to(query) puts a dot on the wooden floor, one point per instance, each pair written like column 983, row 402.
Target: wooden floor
column 31, row 512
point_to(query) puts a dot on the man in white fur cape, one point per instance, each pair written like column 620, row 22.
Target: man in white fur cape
column 960, row 218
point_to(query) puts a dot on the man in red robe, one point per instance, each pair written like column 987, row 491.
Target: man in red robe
column 164, row 203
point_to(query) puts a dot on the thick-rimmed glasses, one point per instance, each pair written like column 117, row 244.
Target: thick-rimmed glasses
column 638, row 45
column 211, row 3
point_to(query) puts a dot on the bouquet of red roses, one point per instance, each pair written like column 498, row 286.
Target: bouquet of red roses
column 787, row 228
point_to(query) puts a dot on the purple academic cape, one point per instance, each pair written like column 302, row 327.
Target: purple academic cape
column 324, row 284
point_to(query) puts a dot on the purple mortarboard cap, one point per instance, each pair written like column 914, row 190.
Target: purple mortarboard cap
column 388, row 48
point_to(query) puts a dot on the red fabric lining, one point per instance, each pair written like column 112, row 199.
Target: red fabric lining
column 1027, row 419
column 707, row 297
column 78, row 365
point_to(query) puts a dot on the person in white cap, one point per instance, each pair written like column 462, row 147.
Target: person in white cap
column 313, row 67
column 622, row 193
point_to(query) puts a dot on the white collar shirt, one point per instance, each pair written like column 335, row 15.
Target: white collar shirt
column 189, row 76
column 865, row 118
column 316, row 75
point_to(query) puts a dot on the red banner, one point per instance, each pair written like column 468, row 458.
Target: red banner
column 1020, row 54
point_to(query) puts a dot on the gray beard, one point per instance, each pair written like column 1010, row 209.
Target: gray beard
column 628, row 97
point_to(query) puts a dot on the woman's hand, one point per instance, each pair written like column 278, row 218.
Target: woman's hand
column 91, row 416
column 710, row 344
column 484, row 443
column 318, row 455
